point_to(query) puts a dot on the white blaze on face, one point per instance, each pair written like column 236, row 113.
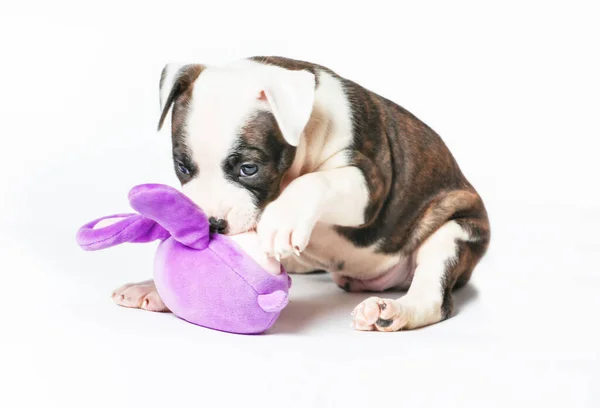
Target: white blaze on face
column 222, row 102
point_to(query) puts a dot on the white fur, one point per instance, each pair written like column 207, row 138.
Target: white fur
column 223, row 100
column 422, row 303
column 248, row 241
column 331, row 99
column 291, row 95
column 287, row 223
column 331, row 191
column 424, row 298
column 320, row 190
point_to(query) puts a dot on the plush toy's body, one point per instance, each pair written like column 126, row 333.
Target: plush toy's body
column 208, row 279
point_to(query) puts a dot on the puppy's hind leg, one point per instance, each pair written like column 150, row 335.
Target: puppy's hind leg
column 448, row 255
column 142, row 295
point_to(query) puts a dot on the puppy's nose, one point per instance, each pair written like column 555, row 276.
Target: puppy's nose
column 217, row 225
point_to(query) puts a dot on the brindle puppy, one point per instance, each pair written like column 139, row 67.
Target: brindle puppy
column 333, row 177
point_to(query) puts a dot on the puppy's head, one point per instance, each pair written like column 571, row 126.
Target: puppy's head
column 234, row 131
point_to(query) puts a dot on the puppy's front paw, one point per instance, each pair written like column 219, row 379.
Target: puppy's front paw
column 285, row 227
column 379, row 315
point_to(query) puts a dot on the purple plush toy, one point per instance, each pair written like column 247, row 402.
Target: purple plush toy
column 211, row 280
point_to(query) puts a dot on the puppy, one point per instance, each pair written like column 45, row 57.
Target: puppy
column 333, row 177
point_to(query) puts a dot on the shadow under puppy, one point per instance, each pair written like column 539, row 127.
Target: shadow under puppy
column 332, row 176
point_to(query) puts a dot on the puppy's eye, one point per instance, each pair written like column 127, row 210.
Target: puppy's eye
column 248, row 169
column 182, row 169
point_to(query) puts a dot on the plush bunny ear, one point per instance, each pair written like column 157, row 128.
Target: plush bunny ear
column 291, row 95
column 174, row 211
column 113, row 230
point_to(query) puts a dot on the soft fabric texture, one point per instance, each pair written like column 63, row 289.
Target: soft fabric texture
column 206, row 279
column 128, row 228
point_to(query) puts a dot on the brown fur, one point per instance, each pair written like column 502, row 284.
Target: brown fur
column 294, row 65
column 415, row 184
column 183, row 83
column 180, row 97
column 414, row 181
column 261, row 142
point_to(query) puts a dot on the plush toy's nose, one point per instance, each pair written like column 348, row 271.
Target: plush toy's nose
column 217, row 225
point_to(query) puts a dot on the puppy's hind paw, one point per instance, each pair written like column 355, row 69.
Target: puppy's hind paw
column 141, row 295
column 376, row 314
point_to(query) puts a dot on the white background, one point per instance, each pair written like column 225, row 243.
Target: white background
column 513, row 89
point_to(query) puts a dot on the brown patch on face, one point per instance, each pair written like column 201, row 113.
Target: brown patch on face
column 182, row 82
column 179, row 98
column 260, row 144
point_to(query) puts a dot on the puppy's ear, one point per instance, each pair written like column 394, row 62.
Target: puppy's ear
column 175, row 79
column 291, row 96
